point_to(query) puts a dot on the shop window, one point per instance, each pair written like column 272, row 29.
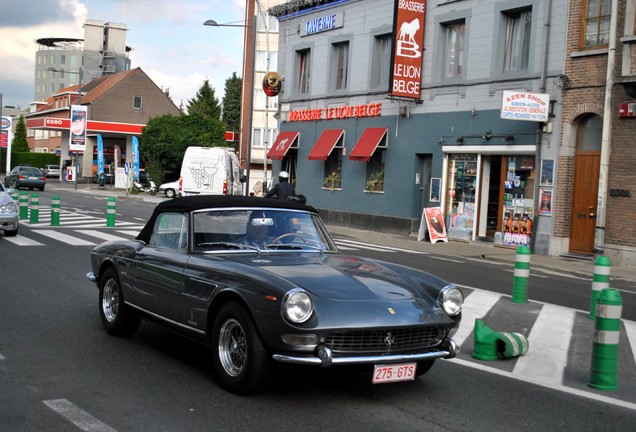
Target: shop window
column 453, row 50
column 596, row 23
column 333, row 171
column 462, row 184
column 340, row 65
column 517, row 41
column 518, row 211
column 375, row 172
column 381, row 65
column 304, row 69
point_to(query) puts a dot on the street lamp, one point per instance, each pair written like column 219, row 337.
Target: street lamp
column 80, row 73
column 213, row 23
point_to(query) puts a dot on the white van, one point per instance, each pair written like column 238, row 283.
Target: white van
column 210, row 171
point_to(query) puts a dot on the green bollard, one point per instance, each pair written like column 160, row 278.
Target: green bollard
column 111, row 212
column 522, row 274
column 485, row 347
column 24, row 205
column 604, row 369
column 35, row 208
column 600, row 281
column 55, row 210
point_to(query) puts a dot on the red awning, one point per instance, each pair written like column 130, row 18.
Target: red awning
column 368, row 142
column 325, row 144
column 283, row 143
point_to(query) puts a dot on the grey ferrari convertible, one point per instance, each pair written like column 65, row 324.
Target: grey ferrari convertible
column 262, row 281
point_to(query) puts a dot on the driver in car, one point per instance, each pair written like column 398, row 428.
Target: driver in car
column 257, row 232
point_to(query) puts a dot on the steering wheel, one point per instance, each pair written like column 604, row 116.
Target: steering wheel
column 280, row 237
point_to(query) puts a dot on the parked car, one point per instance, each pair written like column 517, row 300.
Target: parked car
column 9, row 218
column 51, row 171
column 170, row 189
column 25, row 177
column 262, row 281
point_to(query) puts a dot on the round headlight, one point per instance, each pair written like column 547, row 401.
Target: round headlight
column 297, row 306
column 451, row 300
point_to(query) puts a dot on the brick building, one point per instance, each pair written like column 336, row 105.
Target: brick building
column 595, row 206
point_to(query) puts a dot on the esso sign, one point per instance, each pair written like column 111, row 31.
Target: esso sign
column 54, row 122
column 6, row 123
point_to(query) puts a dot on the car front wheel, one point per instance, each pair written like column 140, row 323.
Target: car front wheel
column 117, row 318
column 240, row 359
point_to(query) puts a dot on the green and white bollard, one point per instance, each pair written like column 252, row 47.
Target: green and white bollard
column 604, row 369
column 522, row 274
column 513, row 344
column 55, row 210
column 111, row 212
column 600, row 281
column 35, row 208
column 15, row 197
column 23, row 201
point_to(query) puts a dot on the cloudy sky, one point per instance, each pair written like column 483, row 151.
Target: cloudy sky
column 169, row 41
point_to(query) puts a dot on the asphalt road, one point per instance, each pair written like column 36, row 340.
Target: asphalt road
column 59, row 371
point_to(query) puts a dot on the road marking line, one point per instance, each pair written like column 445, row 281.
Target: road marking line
column 129, row 232
column 447, row 259
column 23, row 241
column 73, row 241
column 550, row 339
column 101, row 235
column 391, row 248
column 630, row 329
column 359, row 246
column 77, row 416
column 477, row 304
column 1, row 357
column 559, row 387
column 345, row 248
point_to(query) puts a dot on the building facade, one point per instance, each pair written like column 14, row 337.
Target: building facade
column 374, row 142
column 595, row 203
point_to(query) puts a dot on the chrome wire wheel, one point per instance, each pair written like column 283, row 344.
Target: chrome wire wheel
column 232, row 347
column 110, row 300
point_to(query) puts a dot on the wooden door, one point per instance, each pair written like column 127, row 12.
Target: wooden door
column 586, row 173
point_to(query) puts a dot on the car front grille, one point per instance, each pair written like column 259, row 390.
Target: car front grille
column 379, row 342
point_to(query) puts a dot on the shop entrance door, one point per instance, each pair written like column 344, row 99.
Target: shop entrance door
column 585, row 190
column 584, row 203
column 426, row 162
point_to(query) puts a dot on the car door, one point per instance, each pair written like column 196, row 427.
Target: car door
column 158, row 274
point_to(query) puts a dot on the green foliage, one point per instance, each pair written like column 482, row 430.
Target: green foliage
column 164, row 141
column 20, row 143
column 375, row 182
column 232, row 103
column 333, row 180
column 205, row 103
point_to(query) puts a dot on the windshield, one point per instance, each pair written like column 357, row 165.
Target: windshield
column 259, row 230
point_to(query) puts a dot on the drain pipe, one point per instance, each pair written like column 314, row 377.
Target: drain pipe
column 599, row 233
column 538, row 140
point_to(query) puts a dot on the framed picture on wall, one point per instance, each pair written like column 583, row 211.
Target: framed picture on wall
column 547, row 172
column 436, row 185
column 545, row 202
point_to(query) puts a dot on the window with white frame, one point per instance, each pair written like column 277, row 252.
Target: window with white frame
column 267, row 23
column 137, row 102
column 596, row 23
column 517, row 41
column 304, row 69
column 453, row 62
column 258, row 135
column 340, row 65
column 261, row 60
column 259, row 100
column 381, row 63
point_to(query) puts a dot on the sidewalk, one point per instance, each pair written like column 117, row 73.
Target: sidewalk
column 476, row 250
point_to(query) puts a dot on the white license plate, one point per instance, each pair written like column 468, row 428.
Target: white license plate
column 33, row 178
column 392, row 373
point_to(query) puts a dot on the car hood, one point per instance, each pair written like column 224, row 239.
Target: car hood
column 348, row 278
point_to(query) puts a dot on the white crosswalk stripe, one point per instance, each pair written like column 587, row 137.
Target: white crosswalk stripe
column 101, row 235
column 68, row 239
column 21, row 240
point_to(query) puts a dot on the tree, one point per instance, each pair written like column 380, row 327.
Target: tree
column 232, row 103
column 20, row 143
column 164, row 141
column 205, row 103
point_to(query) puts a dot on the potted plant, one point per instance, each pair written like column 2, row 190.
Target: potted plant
column 333, row 180
column 375, row 182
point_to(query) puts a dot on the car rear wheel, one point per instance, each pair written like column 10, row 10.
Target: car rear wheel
column 170, row 193
column 423, row 367
column 11, row 233
column 117, row 318
column 240, row 359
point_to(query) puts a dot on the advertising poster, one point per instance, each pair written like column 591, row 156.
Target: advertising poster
column 100, row 154
column 135, row 158
column 517, row 226
column 547, row 172
column 78, row 128
column 435, row 224
column 545, row 203
column 408, row 44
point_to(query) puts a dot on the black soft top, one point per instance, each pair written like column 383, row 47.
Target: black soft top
column 199, row 202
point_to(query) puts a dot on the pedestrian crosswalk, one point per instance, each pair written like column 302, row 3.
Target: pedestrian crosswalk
column 560, row 340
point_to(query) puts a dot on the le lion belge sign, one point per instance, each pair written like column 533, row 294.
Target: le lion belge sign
column 342, row 112
column 408, row 44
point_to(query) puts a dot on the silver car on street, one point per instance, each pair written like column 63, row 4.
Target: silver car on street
column 9, row 219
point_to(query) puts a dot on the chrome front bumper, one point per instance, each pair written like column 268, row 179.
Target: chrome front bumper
column 324, row 357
